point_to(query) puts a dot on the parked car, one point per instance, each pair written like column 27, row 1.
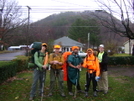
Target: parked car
column 82, row 54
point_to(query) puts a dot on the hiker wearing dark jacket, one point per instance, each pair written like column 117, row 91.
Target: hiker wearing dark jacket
column 39, row 72
column 103, row 60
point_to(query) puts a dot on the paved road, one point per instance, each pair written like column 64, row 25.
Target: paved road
column 10, row 56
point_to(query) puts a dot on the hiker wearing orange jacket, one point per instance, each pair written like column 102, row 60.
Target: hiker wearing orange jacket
column 91, row 63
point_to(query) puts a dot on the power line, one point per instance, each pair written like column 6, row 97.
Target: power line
column 65, row 26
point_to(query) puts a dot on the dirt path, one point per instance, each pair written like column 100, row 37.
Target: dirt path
column 121, row 71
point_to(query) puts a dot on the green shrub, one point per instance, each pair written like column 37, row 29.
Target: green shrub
column 126, row 60
column 10, row 68
column 22, row 63
column 7, row 70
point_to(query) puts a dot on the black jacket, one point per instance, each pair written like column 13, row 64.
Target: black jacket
column 103, row 64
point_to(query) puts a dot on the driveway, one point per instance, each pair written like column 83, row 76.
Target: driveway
column 11, row 56
column 121, row 71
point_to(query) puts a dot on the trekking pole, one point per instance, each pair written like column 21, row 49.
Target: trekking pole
column 55, row 72
column 42, row 90
column 45, row 62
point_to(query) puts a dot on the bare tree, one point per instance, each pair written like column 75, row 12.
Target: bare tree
column 123, row 10
column 10, row 14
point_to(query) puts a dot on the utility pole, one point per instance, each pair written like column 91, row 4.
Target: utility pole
column 88, row 40
column 1, row 26
column 28, row 27
column 1, row 23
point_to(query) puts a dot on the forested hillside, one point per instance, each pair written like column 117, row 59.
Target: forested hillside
column 59, row 25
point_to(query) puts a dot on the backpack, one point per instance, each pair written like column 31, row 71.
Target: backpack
column 36, row 46
column 65, row 55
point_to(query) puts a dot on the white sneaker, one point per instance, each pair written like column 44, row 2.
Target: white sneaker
column 70, row 93
column 63, row 95
column 31, row 98
column 50, row 94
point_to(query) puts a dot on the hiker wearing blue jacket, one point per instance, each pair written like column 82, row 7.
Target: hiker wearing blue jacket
column 39, row 72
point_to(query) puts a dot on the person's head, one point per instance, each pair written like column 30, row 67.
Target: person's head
column 43, row 46
column 101, row 48
column 89, row 51
column 57, row 48
column 75, row 49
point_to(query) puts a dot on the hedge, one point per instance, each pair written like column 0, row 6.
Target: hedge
column 21, row 63
column 10, row 68
column 126, row 60
column 7, row 70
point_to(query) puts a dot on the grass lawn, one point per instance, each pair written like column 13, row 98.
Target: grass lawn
column 121, row 88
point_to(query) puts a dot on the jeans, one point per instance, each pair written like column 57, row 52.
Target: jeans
column 38, row 75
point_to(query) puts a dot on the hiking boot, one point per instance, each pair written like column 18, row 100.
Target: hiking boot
column 50, row 94
column 86, row 94
column 99, row 90
column 105, row 92
column 80, row 91
column 70, row 93
column 63, row 95
column 95, row 94
column 42, row 95
column 31, row 98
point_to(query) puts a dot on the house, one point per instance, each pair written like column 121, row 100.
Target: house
column 67, row 43
column 126, row 46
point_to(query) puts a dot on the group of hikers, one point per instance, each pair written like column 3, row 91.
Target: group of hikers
column 66, row 67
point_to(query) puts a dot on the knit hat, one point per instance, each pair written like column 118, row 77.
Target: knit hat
column 75, row 47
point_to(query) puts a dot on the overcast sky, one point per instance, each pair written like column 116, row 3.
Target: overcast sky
column 43, row 8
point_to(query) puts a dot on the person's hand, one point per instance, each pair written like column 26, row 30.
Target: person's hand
column 55, row 62
column 97, row 78
column 52, row 62
column 44, row 67
column 78, row 66
column 60, row 63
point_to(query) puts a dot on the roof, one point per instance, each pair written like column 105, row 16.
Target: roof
column 15, row 47
column 18, row 47
column 67, row 42
column 131, row 41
